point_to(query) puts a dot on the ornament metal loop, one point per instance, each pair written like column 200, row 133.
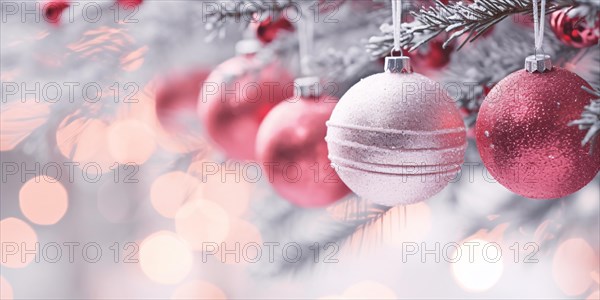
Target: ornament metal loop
column 307, row 87
column 396, row 50
column 538, row 63
column 398, row 64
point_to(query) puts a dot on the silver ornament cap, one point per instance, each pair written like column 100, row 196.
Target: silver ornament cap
column 307, row 87
column 247, row 46
column 398, row 64
column 538, row 63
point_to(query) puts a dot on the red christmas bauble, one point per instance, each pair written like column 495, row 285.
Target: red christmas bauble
column 431, row 56
column 129, row 3
column 524, row 138
column 267, row 30
column 574, row 31
column 236, row 97
column 177, row 98
column 52, row 10
column 291, row 146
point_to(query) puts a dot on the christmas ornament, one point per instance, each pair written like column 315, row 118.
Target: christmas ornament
column 177, row 96
column 52, row 10
column 267, row 30
column 236, row 97
column 291, row 146
column 431, row 56
column 523, row 134
column 395, row 138
column 129, row 4
column 574, row 31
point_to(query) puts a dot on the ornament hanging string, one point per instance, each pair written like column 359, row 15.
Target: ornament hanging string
column 397, row 23
column 306, row 34
column 538, row 25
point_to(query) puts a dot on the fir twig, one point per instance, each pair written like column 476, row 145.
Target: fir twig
column 457, row 19
column 359, row 215
column 242, row 11
column 590, row 119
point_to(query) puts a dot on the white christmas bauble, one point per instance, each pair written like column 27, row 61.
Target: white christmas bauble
column 396, row 137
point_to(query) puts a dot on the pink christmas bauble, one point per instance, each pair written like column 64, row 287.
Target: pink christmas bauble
column 524, row 138
column 291, row 146
column 177, row 99
column 236, row 97
column 396, row 138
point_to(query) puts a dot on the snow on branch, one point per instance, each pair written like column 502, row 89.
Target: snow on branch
column 458, row 19
column 590, row 119
column 243, row 11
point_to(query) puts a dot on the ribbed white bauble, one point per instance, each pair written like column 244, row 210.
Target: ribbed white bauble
column 396, row 138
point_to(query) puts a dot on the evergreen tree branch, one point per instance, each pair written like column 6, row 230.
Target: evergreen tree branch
column 242, row 11
column 338, row 226
column 590, row 119
column 458, row 19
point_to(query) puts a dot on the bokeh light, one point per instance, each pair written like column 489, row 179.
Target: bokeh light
column 198, row 289
column 43, row 200
column 411, row 225
column 169, row 191
column 6, row 290
column 131, row 141
column 476, row 275
column 231, row 193
column 246, row 235
column 165, row 258
column 85, row 142
column 16, row 232
column 199, row 222
column 572, row 266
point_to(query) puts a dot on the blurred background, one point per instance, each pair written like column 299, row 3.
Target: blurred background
column 112, row 187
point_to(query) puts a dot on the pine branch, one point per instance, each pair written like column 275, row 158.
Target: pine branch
column 358, row 215
column 242, row 11
column 456, row 19
column 590, row 119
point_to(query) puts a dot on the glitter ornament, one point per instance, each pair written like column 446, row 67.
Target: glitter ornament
column 523, row 132
column 267, row 30
column 574, row 31
column 396, row 137
column 52, row 10
column 237, row 96
column 291, row 147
